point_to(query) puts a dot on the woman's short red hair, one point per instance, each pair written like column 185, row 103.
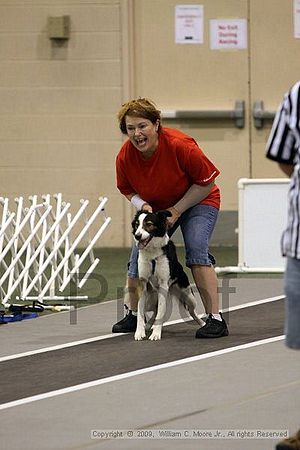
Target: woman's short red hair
column 141, row 107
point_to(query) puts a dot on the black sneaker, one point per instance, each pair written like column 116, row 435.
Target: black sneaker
column 292, row 443
column 126, row 325
column 213, row 328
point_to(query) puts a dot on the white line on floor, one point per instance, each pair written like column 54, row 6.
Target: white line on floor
column 108, row 336
column 233, row 308
column 134, row 373
column 58, row 347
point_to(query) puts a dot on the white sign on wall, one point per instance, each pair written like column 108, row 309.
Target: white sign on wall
column 189, row 24
column 296, row 14
column 228, row 34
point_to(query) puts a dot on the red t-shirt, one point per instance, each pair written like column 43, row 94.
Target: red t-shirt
column 163, row 179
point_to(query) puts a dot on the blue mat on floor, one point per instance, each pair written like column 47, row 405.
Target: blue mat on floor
column 7, row 318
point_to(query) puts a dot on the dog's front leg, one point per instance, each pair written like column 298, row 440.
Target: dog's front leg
column 144, row 275
column 161, row 312
column 140, row 327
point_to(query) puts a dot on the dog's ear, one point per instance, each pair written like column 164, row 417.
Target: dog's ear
column 164, row 214
column 137, row 214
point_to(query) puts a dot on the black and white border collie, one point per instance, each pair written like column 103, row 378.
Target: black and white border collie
column 160, row 272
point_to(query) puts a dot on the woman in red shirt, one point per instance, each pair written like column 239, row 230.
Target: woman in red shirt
column 162, row 168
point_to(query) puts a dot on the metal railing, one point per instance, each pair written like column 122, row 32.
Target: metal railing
column 237, row 114
column 260, row 115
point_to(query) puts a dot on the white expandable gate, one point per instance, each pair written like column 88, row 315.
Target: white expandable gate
column 262, row 218
column 38, row 257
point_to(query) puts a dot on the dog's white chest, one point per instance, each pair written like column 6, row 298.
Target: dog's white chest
column 153, row 263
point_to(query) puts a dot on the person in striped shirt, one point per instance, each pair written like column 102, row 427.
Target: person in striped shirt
column 284, row 147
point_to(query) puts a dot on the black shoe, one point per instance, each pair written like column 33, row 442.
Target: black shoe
column 126, row 325
column 292, row 443
column 213, row 328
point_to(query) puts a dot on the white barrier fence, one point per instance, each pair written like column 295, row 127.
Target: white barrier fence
column 38, row 256
column 263, row 205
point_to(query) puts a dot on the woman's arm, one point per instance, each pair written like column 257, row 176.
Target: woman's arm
column 138, row 202
column 194, row 195
column 288, row 169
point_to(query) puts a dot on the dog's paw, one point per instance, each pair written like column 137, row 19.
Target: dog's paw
column 155, row 335
column 139, row 335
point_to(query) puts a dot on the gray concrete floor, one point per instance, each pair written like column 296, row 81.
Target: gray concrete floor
column 254, row 388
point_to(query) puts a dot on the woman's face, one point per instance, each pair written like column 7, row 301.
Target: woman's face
column 143, row 134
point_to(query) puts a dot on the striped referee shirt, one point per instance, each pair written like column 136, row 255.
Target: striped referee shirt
column 283, row 147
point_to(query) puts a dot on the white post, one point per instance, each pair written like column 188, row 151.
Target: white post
column 88, row 273
column 75, row 243
column 67, row 246
column 28, row 252
column 20, row 253
column 46, row 199
column 40, row 226
column 58, row 198
column 38, row 249
column 62, row 238
column 4, row 203
column 5, row 226
column 17, row 232
column 85, row 253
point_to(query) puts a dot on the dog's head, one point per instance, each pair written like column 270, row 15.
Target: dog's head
column 146, row 226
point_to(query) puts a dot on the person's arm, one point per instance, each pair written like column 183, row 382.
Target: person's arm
column 282, row 145
column 288, row 169
column 124, row 185
column 194, row 195
column 200, row 170
column 138, row 202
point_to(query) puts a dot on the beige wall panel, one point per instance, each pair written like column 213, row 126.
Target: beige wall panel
column 60, row 74
column 20, row 17
column 93, row 155
column 58, row 103
column 79, row 181
column 81, row 3
column 58, row 127
column 95, row 46
column 275, row 66
column 187, row 76
column 74, row 184
column 59, row 100
column 81, row 46
column 183, row 75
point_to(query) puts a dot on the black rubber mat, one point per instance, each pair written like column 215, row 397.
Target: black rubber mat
column 37, row 374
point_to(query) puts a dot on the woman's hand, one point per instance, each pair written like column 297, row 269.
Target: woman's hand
column 139, row 203
column 175, row 216
column 146, row 208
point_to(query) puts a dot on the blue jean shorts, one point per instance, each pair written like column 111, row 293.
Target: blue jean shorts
column 197, row 225
column 292, row 303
